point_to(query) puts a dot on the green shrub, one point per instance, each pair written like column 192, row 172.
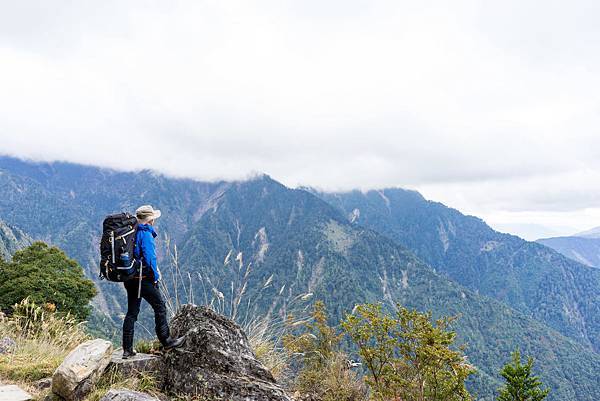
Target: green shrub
column 408, row 357
column 324, row 373
column 45, row 275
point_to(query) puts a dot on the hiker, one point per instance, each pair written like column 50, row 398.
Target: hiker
column 145, row 285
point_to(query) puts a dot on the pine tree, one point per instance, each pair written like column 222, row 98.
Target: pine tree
column 521, row 384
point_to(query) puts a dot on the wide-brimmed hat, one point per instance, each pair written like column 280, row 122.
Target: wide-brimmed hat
column 147, row 213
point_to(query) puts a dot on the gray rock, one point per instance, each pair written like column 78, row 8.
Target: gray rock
column 216, row 361
column 137, row 364
column 7, row 345
column 43, row 384
column 13, row 393
column 127, row 395
column 81, row 369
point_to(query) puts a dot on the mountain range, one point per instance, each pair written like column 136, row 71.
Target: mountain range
column 264, row 248
column 583, row 247
column 527, row 276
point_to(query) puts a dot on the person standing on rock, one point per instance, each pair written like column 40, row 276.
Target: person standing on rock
column 147, row 286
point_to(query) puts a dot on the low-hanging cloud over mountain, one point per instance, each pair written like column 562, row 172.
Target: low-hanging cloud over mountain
column 491, row 107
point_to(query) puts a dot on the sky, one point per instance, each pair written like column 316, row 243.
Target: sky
column 491, row 107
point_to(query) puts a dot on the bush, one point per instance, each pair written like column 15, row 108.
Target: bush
column 324, row 374
column 46, row 276
column 407, row 356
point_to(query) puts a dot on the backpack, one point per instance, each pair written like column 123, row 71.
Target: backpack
column 116, row 247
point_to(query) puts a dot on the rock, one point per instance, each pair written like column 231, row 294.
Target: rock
column 216, row 361
column 127, row 395
column 13, row 393
column 43, row 384
column 130, row 366
column 7, row 345
column 79, row 371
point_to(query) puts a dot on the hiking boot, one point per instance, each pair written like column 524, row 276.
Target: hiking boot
column 128, row 353
column 171, row 343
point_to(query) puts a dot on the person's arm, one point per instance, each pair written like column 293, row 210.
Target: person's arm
column 149, row 254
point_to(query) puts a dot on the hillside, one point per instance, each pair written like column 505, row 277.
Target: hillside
column 11, row 240
column 293, row 244
column 311, row 248
column 527, row 276
column 585, row 250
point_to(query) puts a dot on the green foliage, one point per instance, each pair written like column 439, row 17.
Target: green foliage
column 521, row 384
column 407, row 356
column 324, row 373
column 45, row 275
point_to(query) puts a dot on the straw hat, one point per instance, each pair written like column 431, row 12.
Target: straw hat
column 146, row 213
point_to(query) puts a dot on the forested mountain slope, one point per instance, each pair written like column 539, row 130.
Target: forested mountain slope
column 266, row 248
column 11, row 239
column 527, row 276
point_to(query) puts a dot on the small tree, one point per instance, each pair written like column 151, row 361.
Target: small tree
column 324, row 374
column 45, row 275
column 521, row 384
column 407, row 356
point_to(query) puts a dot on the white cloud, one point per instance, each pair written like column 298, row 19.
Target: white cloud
column 490, row 106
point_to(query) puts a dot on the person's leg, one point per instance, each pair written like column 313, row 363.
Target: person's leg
column 153, row 296
column 133, row 309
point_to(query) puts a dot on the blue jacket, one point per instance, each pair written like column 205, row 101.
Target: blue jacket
column 145, row 250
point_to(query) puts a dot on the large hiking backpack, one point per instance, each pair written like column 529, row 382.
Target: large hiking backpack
column 116, row 247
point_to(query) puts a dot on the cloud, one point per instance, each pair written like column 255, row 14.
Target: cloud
column 491, row 106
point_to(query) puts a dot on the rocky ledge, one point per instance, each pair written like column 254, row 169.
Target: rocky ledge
column 216, row 361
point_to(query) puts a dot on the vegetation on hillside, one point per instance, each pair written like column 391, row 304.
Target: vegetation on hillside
column 324, row 373
column 45, row 275
column 529, row 277
column 306, row 246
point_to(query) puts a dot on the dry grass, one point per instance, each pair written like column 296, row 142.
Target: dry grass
column 43, row 340
column 265, row 337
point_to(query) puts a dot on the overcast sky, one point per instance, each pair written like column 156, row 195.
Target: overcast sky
column 491, row 107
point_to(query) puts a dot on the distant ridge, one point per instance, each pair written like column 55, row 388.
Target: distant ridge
column 584, row 247
column 593, row 233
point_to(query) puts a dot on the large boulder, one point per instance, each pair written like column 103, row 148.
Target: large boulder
column 216, row 361
column 127, row 395
column 81, row 369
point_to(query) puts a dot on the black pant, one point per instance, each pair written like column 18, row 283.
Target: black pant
column 152, row 295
